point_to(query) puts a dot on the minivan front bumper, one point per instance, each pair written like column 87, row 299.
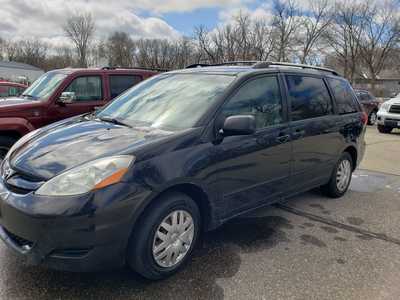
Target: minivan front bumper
column 91, row 237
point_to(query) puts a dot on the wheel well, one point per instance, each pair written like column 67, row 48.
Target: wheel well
column 12, row 134
column 199, row 197
column 353, row 153
column 195, row 193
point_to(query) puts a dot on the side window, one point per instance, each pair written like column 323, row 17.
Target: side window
column 13, row 91
column 309, row 97
column 86, row 88
column 363, row 97
column 120, row 83
column 20, row 91
column 259, row 97
column 344, row 96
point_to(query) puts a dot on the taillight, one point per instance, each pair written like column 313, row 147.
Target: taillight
column 364, row 118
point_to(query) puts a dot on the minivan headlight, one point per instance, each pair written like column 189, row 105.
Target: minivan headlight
column 88, row 177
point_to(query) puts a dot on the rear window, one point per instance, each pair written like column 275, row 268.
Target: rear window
column 344, row 96
column 120, row 83
column 309, row 97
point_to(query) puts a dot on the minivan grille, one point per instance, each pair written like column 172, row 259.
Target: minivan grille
column 395, row 109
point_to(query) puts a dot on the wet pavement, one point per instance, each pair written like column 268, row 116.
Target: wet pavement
column 310, row 247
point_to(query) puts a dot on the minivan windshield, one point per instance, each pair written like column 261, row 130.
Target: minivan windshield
column 44, row 86
column 170, row 101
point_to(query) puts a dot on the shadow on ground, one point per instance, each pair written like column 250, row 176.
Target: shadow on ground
column 217, row 258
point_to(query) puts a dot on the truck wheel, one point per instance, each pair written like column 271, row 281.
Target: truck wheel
column 5, row 144
column 372, row 118
column 165, row 236
column 340, row 178
column 384, row 129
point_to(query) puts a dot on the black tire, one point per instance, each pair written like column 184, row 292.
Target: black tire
column 331, row 188
column 140, row 249
column 372, row 118
column 5, row 144
column 384, row 129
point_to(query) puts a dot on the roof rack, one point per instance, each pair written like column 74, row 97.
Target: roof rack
column 267, row 64
column 262, row 65
column 228, row 63
column 133, row 68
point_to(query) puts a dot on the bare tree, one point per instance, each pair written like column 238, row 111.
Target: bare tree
column 380, row 37
column 80, row 29
column 285, row 24
column 344, row 34
column 314, row 25
column 119, row 49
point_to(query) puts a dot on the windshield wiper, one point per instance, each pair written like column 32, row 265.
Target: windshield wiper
column 29, row 96
column 114, row 121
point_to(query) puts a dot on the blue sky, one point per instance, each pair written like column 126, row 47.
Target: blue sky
column 185, row 22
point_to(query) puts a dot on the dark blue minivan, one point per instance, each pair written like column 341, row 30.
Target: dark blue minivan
column 179, row 154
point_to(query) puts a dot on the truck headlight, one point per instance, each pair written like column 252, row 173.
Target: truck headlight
column 385, row 107
column 88, row 177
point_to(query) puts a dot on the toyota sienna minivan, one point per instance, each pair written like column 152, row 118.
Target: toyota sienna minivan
column 139, row 181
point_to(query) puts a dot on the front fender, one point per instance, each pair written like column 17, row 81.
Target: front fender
column 19, row 125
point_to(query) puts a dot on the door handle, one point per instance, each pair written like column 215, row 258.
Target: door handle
column 283, row 138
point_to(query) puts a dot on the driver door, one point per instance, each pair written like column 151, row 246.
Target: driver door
column 88, row 93
column 253, row 170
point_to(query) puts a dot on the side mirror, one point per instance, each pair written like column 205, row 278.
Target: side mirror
column 239, row 125
column 67, row 97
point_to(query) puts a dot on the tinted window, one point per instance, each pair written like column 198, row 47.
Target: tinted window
column 13, row 91
column 309, row 97
column 86, row 88
column 120, row 83
column 344, row 96
column 363, row 97
column 261, row 98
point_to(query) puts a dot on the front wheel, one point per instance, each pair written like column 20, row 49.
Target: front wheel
column 384, row 129
column 5, row 144
column 340, row 178
column 165, row 237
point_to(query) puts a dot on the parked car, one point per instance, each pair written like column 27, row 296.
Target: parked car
column 389, row 115
column 61, row 94
column 177, row 155
column 11, row 89
column 370, row 104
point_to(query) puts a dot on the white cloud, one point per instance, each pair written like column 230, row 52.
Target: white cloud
column 20, row 19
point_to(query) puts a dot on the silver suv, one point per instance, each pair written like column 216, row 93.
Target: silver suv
column 389, row 115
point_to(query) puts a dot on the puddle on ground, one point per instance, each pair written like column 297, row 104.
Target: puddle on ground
column 366, row 182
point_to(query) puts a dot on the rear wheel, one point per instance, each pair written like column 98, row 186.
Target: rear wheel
column 165, row 237
column 340, row 178
column 5, row 144
column 384, row 129
column 372, row 118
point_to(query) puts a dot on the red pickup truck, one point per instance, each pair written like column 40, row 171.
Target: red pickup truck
column 60, row 94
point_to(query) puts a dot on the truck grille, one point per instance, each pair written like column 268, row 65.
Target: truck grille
column 395, row 109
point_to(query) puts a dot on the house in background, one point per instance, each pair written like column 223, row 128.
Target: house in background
column 19, row 72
